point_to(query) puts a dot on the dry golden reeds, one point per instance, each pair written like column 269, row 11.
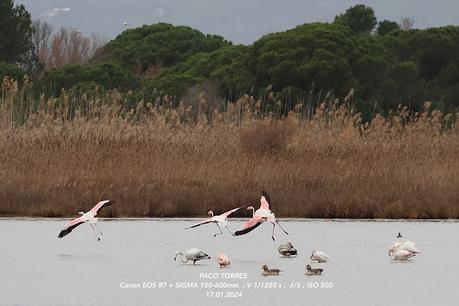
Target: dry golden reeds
column 61, row 155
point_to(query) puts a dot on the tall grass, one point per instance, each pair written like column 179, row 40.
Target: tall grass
column 58, row 157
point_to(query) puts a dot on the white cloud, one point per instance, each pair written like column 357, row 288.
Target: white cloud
column 56, row 11
column 64, row 9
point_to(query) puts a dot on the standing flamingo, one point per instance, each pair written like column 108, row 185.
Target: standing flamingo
column 259, row 216
column 219, row 220
column 193, row 255
column 89, row 217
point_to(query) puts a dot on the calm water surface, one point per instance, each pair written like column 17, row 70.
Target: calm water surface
column 37, row 268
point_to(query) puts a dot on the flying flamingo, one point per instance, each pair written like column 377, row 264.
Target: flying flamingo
column 259, row 216
column 219, row 220
column 89, row 217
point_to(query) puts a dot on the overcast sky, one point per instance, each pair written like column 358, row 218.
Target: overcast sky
column 241, row 21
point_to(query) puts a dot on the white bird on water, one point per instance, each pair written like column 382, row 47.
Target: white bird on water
column 400, row 249
column 259, row 216
column 402, row 255
column 219, row 220
column 193, row 255
column 88, row 217
column 319, row 256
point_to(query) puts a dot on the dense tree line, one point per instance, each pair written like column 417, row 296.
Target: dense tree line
column 15, row 31
column 383, row 62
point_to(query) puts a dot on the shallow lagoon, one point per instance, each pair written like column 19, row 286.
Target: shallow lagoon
column 38, row 268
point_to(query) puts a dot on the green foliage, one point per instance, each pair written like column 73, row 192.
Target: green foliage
column 433, row 49
column 385, row 67
column 405, row 74
column 311, row 55
column 159, row 44
column 386, row 26
column 15, row 32
column 172, row 84
column 107, row 75
column 400, row 66
column 360, row 18
column 10, row 70
column 226, row 66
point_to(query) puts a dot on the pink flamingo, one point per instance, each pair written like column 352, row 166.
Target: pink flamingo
column 219, row 220
column 259, row 216
column 223, row 260
column 89, row 217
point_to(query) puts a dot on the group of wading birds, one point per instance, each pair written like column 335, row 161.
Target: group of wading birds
column 401, row 250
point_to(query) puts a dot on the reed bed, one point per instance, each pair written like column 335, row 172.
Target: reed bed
column 58, row 157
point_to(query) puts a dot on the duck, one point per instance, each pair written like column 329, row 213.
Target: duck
column 313, row 271
column 319, row 256
column 193, row 255
column 287, row 249
column 267, row 271
column 223, row 260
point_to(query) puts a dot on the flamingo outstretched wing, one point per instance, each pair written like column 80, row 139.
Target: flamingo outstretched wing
column 229, row 212
column 265, row 201
column 249, row 226
column 71, row 225
column 207, row 221
column 100, row 205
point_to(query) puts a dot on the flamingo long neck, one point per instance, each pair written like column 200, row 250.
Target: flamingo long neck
column 211, row 213
column 253, row 210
